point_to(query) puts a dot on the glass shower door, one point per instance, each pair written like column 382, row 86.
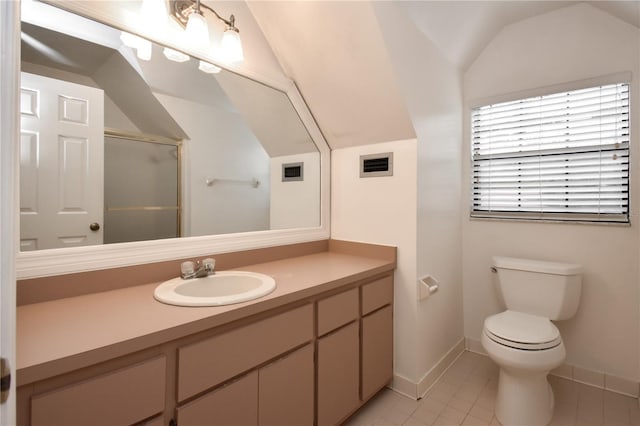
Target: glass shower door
column 141, row 189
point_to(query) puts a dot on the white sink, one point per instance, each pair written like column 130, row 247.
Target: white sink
column 220, row 288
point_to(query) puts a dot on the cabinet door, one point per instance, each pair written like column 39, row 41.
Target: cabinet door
column 377, row 351
column 338, row 375
column 285, row 390
column 233, row 404
column 121, row 397
column 217, row 359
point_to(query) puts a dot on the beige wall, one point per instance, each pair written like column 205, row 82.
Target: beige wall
column 574, row 43
column 431, row 87
column 295, row 204
column 223, row 207
column 382, row 210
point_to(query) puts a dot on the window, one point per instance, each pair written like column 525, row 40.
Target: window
column 563, row 156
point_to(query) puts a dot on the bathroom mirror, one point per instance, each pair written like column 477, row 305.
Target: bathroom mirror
column 181, row 152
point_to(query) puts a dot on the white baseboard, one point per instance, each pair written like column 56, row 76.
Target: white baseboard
column 404, row 386
column 414, row 390
column 579, row 374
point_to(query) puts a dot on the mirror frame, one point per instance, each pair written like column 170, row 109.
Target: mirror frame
column 50, row 262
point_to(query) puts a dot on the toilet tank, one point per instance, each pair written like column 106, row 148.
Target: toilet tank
column 547, row 289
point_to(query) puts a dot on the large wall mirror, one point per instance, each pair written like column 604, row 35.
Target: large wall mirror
column 126, row 158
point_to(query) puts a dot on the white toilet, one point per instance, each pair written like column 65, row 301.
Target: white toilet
column 523, row 341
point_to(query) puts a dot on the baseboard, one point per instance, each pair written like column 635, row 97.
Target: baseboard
column 474, row 346
column 578, row 374
column 414, row 390
column 404, row 386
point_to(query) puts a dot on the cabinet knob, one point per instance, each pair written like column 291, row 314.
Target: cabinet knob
column 95, row 226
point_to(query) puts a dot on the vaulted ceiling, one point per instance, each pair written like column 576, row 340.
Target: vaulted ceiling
column 335, row 51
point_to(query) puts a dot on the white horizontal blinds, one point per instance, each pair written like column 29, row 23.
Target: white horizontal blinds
column 561, row 156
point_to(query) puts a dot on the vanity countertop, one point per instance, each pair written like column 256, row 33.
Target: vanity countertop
column 63, row 335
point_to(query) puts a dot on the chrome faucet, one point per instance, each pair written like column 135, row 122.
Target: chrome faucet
column 199, row 269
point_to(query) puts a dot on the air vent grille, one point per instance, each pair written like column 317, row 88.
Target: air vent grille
column 374, row 165
column 292, row 172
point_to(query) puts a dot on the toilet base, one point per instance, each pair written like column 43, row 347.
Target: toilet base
column 524, row 398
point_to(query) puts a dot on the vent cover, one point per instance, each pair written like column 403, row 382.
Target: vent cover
column 374, row 165
column 292, row 172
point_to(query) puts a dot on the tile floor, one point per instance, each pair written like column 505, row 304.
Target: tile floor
column 466, row 392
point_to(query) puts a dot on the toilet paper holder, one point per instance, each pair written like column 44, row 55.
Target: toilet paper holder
column 427, row 286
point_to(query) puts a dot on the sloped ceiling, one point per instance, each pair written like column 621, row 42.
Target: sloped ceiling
column 462, row 29
column 335, row 53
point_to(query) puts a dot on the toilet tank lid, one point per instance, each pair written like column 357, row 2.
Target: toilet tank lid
column 541, row 266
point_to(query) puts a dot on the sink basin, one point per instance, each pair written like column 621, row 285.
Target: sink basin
column 221, row 288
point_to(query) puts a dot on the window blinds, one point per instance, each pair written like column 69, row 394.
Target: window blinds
column 563, row 156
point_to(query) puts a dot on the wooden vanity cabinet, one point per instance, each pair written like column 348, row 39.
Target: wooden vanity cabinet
column 354, row 348
column 214, row 360
column 312, row 363
column 278, row 393
column 377, row 336
column 338, row 353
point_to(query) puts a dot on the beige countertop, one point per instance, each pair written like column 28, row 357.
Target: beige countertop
column 60, row 336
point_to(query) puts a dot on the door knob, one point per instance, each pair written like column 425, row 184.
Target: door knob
column 95, row 226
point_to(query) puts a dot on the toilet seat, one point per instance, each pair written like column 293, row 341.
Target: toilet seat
column 522, row 331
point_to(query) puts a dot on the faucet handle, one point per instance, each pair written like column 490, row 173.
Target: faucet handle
column 187, row 268
column 209, row 264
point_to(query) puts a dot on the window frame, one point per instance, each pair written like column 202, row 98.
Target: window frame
column 621, row 219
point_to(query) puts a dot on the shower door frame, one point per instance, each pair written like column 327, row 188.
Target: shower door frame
column 161, row 140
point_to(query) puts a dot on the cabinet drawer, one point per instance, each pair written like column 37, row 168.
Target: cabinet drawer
column 123, row 397
column 337, row 310
column 377, row 294
column 212, row 361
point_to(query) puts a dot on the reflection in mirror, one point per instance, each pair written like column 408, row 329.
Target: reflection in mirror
column 141, row 182
column 117, row 149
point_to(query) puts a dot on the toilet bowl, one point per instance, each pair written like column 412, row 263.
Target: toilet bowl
column 523, row 341
column 526, row 348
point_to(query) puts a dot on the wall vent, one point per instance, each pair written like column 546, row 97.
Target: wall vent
column 374, row 165
column 292, row 172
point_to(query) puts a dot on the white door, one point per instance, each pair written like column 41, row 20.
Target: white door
column 10, row 53
column 61, row 163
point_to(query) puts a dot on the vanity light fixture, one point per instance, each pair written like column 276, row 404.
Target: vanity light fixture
column 231, row 45
column 188, row 11
column 189, row 14
column 175, row 55
column 144, row 50
column 209, row 68
column 142, row 46
column 197, row 31
column 130, row 40
column 154, row 12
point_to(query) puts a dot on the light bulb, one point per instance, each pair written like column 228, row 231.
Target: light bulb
column 231, row 46
column 130, row 40
column 174, row 55
column 144, row 50
column 197, row 32
column 209, row 68
column 154, row 12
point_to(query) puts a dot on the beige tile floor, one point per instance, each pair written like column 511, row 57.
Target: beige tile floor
column 466, row 392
